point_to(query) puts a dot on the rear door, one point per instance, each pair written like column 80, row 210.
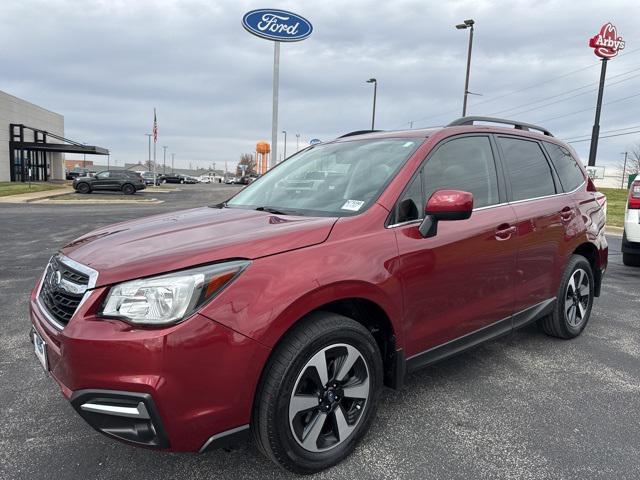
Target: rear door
column 544, row 213
column 102, row 181
column 460, row 280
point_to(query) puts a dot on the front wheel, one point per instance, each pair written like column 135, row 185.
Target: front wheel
column 83, row 188
column 574, row 301
column 318, row 394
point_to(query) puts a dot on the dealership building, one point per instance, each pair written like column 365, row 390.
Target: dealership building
column 32, row 142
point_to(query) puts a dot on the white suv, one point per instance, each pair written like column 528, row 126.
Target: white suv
column 631, row 235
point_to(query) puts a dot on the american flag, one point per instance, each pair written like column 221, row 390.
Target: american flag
column 155, row 127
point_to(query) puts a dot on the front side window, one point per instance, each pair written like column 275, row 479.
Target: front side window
column 342, row 178
column 103, row 175
column 464, row 164
column 571, row 176
column 527, row 169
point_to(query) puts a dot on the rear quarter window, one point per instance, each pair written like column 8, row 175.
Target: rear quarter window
column 571, row 176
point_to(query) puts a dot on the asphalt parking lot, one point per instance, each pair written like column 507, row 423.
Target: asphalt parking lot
column 523, row 407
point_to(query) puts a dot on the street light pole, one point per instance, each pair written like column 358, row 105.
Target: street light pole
column 285, row 143
column 297, row 142
column 164, row 161
column 463, row 26
column 375, row 91
column 173, row 157
column 149, row 161
column 624, row 169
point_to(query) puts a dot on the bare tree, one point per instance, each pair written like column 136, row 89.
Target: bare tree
column 633, row 164
column 246, row 160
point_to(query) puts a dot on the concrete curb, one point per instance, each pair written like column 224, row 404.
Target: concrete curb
column 615, row 231
column 35, row 196
column 153, row 201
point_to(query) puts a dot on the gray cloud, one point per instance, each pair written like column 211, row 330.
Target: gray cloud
column 105, row 64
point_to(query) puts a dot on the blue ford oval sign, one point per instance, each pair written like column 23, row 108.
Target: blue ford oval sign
column 278, row 25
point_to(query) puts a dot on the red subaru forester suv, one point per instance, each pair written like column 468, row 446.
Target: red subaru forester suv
column 283, row 311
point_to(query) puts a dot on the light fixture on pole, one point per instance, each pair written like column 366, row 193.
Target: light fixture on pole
column 463, row 26
column 297, row 142
column 375, row 91
column 285, row 144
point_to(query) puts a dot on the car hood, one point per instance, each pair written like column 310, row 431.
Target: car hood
column 173, row 241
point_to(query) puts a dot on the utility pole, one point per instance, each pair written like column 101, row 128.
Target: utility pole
column 624, row 169
column 463, row 26
column 164, row 161
column 375, row 91
column 173, row 157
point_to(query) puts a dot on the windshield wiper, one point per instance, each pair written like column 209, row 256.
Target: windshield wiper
column 271, row 210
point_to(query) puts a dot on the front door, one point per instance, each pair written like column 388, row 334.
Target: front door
column 462, row 279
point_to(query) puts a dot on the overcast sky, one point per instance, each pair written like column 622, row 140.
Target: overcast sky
column 105, row 65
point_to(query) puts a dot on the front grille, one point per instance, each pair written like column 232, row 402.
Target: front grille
column 62, row 290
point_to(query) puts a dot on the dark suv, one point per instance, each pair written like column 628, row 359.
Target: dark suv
column 283, row 311
column 123, row 181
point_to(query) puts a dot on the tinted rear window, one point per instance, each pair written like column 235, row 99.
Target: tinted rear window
column 527, row 169
column 571, row 176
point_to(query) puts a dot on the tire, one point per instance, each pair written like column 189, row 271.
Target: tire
column 631, row 259
column 83, row 187
column 128, row 189
column 573, row 306
column 181, row 181
column 279, row 421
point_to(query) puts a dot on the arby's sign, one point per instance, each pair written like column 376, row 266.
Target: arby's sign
column 607, row 43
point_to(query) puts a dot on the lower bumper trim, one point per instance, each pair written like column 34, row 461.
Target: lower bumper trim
column 226, row 438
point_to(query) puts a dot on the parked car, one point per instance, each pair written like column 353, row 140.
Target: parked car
column 78, row 172
column 247, row 179
column 631, row 233
column 230, row 180
column 150, row 178
column 283, row 311
column 174, row 178
column 113, row 180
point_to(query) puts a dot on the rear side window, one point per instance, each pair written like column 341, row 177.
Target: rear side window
column 527, row 169
column 464, row 164
column 571, row 176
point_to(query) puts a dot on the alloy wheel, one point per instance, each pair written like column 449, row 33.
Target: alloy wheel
column 329, row 398
column 577, row 297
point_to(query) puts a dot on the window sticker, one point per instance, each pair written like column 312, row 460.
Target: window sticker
column 352, row 205
column 408, row 144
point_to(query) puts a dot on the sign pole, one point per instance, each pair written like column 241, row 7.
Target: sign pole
column 595, row 133
column 274, row 116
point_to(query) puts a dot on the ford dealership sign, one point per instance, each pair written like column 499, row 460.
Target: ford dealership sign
column 277, row 25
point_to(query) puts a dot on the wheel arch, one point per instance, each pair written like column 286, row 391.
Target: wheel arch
column 590, row 252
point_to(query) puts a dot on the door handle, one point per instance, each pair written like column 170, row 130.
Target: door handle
column 504, row 232
column 566, row 214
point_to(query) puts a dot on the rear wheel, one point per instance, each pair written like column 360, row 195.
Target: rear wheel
column 631, row 259
column 83, row 187
column 318, row 394
column 574, row 301
column 128, row 189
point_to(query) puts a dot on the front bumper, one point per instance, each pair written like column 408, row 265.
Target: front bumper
column 196, row 380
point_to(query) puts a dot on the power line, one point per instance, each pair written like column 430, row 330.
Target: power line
column 588, row 109
column 607, row 131
column 569, row 91
column 537, row 84
column 605, row 136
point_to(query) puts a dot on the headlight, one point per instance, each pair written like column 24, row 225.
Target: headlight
column 169, row 298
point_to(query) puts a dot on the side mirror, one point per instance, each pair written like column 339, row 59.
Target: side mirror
column 445, row 205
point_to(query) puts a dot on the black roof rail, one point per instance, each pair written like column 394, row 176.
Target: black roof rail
column 516, row 125
column 358, row 132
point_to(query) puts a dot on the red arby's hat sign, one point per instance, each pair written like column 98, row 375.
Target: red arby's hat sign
column 607, row 43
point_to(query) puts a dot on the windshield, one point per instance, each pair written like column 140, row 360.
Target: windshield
column 342, row 178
